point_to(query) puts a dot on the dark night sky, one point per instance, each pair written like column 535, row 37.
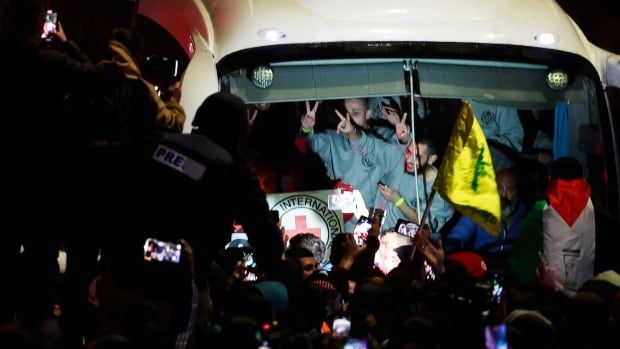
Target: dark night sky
column 599, row 20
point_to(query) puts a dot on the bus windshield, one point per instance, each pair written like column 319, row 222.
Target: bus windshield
column 531, row 111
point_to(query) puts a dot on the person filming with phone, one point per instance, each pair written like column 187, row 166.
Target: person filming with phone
column 403, row 198
column 36, row 75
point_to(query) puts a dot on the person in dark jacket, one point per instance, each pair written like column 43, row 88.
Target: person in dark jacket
column 36, row 75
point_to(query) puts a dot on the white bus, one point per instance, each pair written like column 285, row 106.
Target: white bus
column 522, row 54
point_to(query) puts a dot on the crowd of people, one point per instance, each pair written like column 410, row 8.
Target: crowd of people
column 97, row 165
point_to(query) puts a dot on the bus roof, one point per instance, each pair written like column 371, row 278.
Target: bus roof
column 238, row 24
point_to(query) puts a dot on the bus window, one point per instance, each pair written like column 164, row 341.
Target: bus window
column 545, row 123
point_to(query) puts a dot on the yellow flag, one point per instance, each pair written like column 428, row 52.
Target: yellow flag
column 466, row 177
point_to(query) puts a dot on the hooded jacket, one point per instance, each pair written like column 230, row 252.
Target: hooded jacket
column 170, row 114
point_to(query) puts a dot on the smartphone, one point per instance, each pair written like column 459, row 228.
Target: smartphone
column 406, row 228
column 356, row 343
column 275, row 214
column 50, row 25
column 497, row 286
column 429, row 273
column 361, row 229
column 393, row 249
column 250, row 276
column 495, row 336
column 341, row 327
column 162, row 251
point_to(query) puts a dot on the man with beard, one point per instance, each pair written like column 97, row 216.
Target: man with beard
column 403, row 199
column 467, row 235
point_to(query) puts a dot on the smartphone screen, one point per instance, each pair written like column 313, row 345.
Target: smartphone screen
column 341, row 327
column 495, row 336
column 355, row 343
column 361, row 230
column 50, row 24
column 497, row 287
column 393, row 249
column 406, row 228
column 429, row 273
column 162, row 251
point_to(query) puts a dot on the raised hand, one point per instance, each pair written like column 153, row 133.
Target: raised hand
column 252, row 118
column 391, row 115
column 309, row 118
column 345, row 126
column 59, row 34
column 174, row 91
column 402, row 129
column 434, row 254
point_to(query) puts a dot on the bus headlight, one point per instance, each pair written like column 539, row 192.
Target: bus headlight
column 557, row 79
column 262, row 76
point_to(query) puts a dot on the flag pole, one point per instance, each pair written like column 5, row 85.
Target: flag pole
column 415, row 146
column 427, row 209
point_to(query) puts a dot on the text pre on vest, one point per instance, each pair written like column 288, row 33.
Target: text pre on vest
column 179, row 162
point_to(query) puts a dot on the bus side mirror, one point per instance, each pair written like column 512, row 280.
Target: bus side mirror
column 612, row 71
column 609, row 64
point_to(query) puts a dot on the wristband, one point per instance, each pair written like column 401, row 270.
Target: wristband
column 399, row 202
column 305, row 130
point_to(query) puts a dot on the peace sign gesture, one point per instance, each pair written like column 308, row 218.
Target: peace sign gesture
column 402, row 129
column 400, row 125
column 252, row 118
column 345, row 126
column 309, row 118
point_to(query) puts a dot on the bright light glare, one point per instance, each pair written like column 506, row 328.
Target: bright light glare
column 546, row 38
column 271, row 34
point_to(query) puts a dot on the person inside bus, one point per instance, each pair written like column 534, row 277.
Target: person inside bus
column 503, row 130
column 467, row 235
column 384, row 119
column 403, row 198
column 349, row 152
column 387, row 119
column 568, row 227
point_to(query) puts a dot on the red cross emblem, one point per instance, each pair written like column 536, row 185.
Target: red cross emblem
column 301, row 226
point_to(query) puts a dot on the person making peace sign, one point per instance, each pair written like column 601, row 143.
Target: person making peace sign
column 349, row 152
